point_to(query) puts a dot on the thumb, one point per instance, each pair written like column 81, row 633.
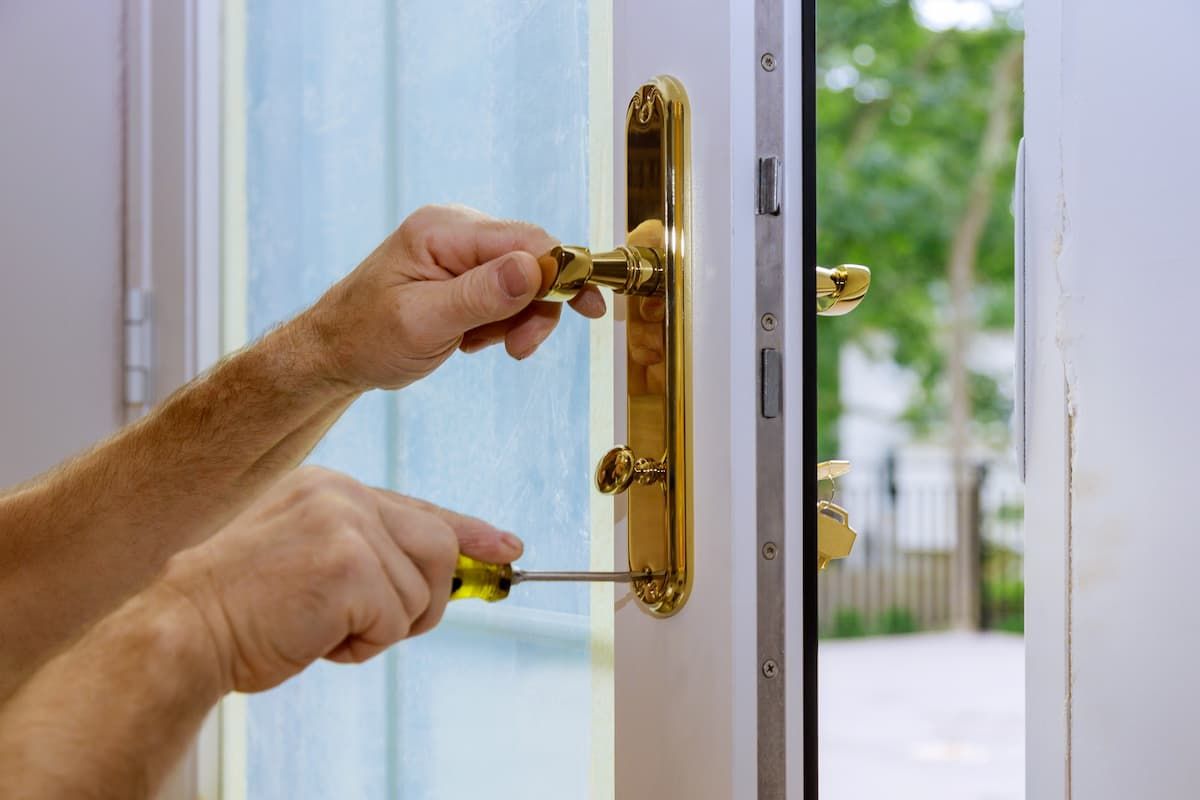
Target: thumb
column 490, row 292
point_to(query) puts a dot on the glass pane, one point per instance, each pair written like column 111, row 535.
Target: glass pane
column 350, row 116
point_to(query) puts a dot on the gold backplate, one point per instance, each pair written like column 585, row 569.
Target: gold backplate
column 658, row 344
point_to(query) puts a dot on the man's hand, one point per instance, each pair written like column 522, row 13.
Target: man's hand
column 319, row 567
column 447, row 278
column 325, row 567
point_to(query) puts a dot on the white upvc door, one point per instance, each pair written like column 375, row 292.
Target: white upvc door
column 330, row 122
column 696, row 715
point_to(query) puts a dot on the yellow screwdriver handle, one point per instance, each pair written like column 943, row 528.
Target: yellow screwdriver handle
column 481, row 580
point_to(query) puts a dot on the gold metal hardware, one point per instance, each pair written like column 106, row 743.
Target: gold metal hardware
column 651, row 274
column 566, row 270
column 832, row 470
column 835, row 537
column 619, row 469
column 840, row 289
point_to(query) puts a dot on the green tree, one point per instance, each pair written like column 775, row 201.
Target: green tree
column 916, row 142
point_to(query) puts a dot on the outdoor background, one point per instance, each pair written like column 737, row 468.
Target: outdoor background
column 919, row 109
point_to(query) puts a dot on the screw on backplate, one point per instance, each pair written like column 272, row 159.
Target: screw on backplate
column 768, row 62
column 770, row 551
column 770, row 669
column 769, row 322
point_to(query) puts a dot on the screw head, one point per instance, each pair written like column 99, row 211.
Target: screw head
column 769, row 551
column 770, row 669
column 768, row 62
column 769, row 322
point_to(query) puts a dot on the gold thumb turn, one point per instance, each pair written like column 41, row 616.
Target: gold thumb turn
column 619, row 469
column 567, row 269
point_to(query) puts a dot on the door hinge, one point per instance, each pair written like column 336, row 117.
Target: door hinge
column 139, row 348
column 768, row 186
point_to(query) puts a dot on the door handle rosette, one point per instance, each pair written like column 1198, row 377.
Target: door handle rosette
column 650, row 273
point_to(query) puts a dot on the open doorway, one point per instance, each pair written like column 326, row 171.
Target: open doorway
column 919, row 112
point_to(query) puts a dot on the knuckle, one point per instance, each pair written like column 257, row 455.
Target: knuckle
column 308, row 477
column 344, row 555
column 323, row 487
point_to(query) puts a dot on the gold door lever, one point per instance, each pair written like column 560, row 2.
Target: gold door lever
column 566, row 270
column 840, row 289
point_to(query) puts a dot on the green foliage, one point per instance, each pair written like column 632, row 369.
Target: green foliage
column 1004, row 604
column 847, row 624
column 1006, row 594
column 897, row 620
column 896, row 153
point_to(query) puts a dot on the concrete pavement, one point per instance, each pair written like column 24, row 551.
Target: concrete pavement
column 932, row 716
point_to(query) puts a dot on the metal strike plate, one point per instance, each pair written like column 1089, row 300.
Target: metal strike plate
column 651, row 273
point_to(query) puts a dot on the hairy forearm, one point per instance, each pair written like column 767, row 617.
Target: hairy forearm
column 82, row 538
column 111, row 715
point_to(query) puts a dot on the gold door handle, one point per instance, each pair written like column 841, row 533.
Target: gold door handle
column 840, row 289
column 567, row 269
column 652, row 271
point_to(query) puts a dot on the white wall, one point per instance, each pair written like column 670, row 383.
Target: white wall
column 60, row 229
column 1113, row 171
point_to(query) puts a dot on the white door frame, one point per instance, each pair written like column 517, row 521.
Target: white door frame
column 172, row 231
column 1110, row 348
column 687, row 689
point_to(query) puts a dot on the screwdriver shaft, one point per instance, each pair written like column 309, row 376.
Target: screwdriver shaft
column 520, row 575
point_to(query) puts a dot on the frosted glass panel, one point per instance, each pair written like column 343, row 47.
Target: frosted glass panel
column 355, row 115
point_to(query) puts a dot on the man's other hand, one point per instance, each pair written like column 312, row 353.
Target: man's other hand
column 447, row 278
column 322, row 566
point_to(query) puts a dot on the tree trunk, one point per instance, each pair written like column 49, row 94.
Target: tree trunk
column 963, row 250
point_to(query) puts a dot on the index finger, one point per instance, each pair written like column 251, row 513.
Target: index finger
column 458, row 238
column 476, row 538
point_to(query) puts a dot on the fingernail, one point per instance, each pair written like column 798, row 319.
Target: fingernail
column 513, row 278
column 512, row 541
